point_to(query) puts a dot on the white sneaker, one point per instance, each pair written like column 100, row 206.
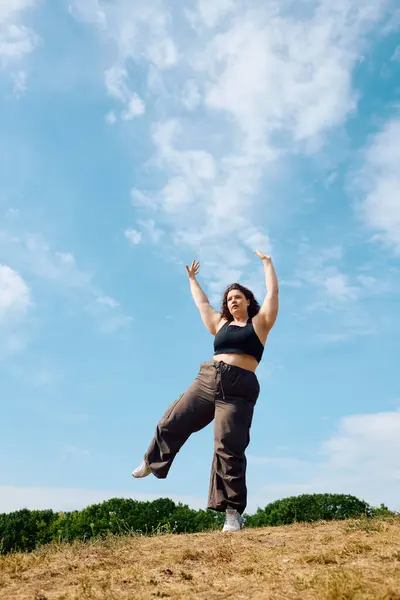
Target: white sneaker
column 233, row 520
column 142, row 470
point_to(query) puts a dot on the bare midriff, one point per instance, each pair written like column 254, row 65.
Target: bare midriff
column 244, row 361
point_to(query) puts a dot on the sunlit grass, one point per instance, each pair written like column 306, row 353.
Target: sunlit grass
column 340, row 560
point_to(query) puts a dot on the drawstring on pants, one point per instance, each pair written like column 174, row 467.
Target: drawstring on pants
column 219, row 366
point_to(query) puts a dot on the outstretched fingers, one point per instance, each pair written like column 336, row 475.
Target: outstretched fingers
column 193, row 269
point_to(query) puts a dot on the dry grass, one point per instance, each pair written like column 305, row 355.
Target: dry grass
column 357, row 560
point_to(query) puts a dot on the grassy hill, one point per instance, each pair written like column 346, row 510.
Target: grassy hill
column 342, row 560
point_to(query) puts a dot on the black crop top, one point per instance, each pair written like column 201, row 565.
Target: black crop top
column 235, row 339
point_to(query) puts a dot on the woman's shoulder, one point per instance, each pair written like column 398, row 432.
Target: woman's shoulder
column 221, row 323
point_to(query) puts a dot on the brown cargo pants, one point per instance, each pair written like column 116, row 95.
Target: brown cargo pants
column 226, row 394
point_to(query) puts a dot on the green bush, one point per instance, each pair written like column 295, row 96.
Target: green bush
column 309, row 508
column 117, row 516
column 25, row 530
column 187, row 520
column 381, row 511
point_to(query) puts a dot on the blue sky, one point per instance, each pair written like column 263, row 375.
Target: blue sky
column 134, row 139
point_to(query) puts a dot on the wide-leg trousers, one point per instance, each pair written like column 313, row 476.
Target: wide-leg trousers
column 224, row 394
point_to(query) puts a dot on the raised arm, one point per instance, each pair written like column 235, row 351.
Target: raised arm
column 270, row 306
column 209, row 315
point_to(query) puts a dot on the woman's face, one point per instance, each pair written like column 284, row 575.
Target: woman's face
column 237, row 303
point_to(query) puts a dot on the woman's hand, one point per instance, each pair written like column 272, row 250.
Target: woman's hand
column 193, row 270
column 263, row 256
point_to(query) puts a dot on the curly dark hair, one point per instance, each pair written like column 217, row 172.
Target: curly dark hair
column 253, row 309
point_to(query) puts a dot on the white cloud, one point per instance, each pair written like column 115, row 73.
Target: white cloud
column 275, row 73
column 36, row 255
column 369, row 443
column 88, row 12
column 360, row 458
column 339, row 296
column 271, row 84
column 143, row 199
column 139, row 31
column 191, row 97
column 380, row 181
column 118, row 86
column 10, row 8
column 15, row 295
column 15, row 300
column 50, row 264
column 66, row 258
column 134, row 236
column 151, row 231
column 60, row 269
column 195, row 165
column 135, row 108
column 320, row 268
column 271, row 75
column 66, row 499
column 108, row 301
column 176, row 194
column 337, row 287
column 207, row 202
column 16, row 39
column 209, row 12
column 321, row 272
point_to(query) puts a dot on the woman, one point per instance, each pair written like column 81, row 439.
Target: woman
column 225, row 389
